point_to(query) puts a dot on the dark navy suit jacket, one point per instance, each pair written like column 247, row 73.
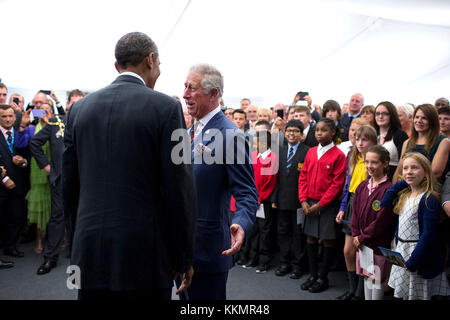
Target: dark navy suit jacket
column 135, row 208
column 215, row 183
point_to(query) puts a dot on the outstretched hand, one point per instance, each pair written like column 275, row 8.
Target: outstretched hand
column 187, row 279
column 237, row 239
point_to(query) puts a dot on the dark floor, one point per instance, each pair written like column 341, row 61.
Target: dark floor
column 22, row 282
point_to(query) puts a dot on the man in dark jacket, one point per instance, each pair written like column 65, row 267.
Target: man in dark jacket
column 134, row 207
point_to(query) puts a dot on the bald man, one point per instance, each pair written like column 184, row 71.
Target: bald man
column 354, row 109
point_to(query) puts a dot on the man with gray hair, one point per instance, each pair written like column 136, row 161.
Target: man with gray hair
column 354, row 110
column 133, row 208
column 217, row 239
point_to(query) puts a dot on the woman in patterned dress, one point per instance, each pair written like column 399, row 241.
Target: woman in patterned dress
column 417, row 237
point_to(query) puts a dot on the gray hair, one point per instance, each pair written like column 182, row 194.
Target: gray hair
column 132, row 48
column 212, row 78
column 407, row 108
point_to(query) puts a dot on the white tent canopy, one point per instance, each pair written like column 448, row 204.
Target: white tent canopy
column 267, row 50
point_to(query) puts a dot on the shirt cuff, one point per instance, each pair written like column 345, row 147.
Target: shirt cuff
column 6, row 178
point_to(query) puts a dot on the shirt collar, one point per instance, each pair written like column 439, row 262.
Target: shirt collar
column 324, row 149
column 204, row 121
column 369, row 185
column 129, row 73
column 265, row 154
column 4, row 131
column 355, row 116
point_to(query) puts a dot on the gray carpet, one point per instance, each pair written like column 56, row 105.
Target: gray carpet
column 22, row 282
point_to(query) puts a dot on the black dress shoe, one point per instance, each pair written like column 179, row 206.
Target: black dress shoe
column 282, row 270
column 13, row 253
column 46, row 267
column 354, row 298
column 308, row 283
column 240, row 262
column 6, row 264
column 262, row 268
column 249, row 265
column 346, row 296
column 296, row 274
column 319, row 286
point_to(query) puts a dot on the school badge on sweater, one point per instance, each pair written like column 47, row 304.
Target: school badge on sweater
column 376, row 205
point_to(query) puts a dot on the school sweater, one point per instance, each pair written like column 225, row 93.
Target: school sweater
column 371, row 223
column 322, row 179
column 265, row 169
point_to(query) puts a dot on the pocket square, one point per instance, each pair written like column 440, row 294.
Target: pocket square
column 200, row 148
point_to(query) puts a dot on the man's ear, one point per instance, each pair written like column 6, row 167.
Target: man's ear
column 150, row 60
column 116, row 65
column 214, row 93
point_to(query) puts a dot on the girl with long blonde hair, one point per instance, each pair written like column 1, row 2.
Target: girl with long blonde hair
column 417, row 238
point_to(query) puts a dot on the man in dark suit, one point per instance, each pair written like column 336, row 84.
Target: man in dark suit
column 291, row 239
column 54, row 133
column 354, row 110
column 221, row 168
column 133, row 208
column 15, row 185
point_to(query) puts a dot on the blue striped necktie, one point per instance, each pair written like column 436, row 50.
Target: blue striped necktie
column 289, row 159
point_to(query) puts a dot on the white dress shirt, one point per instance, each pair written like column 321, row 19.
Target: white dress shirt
column 322, row 150
column 201, row 123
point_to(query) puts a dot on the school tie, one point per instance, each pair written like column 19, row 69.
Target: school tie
column 8, row 133
column 289, row 158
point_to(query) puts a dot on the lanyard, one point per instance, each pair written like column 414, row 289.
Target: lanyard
column 11, row 144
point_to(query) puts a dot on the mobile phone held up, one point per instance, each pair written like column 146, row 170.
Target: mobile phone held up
column 38, row 113
column 303, row 95
column 47, row 92
column 16, row 100
column 280, row 113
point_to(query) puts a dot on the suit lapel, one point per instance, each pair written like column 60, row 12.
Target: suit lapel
column 4, row 144
column 213, row 123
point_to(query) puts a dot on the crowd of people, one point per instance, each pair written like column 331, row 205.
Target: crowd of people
column 330, row 208
column 342, row 181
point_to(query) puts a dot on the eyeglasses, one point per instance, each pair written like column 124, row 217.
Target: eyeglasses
column 292, row 131
column 384, row 114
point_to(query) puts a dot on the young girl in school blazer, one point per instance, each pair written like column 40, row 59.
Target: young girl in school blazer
column 371, row 224
column 321, row 182
column 417, row 237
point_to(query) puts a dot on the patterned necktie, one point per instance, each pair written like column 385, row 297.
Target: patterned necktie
column 290, row 157
column 192, row 132
column 8, row 133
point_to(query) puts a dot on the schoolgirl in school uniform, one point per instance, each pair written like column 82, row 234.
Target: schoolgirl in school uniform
column 371, row 224
column 321, row 182
column 365, row 137
column 417, row 237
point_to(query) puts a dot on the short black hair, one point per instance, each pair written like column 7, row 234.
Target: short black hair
column 240, row 111
column 132, row 48
column 295, row 123
column 5, row 106
column 263, row 123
